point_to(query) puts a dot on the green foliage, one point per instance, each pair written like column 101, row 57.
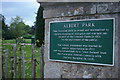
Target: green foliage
column 39, row 31
column 27, row 36
column 5, row 29
column 16, row 20
column 17, row 27
column 27, row 29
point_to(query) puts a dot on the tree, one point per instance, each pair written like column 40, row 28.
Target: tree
column 27, row 29
column 17, row 27
column 2, row 22
column 33, row 29
column 28, row 32
column 5, row 28
column 39, row 31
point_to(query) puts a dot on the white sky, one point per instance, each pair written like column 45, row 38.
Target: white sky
column 18, row 0
column 26, row 9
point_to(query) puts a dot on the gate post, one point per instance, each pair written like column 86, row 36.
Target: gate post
column 69, row 11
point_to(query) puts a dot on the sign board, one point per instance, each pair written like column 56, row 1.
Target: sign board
column 82, row 41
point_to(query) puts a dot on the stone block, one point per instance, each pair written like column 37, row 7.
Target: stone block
column 64, row 9
column 108, row 7
column 80, row 11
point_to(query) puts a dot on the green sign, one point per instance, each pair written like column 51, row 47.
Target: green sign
column 82, row 41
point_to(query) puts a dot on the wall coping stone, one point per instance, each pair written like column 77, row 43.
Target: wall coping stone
column 65, row 9
column 78, row 0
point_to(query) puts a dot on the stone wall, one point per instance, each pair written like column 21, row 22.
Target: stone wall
column 79, row 11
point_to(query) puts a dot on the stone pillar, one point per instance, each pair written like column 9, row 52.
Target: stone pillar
column 79, row 11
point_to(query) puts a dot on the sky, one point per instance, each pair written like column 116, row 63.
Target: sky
column 24, row 9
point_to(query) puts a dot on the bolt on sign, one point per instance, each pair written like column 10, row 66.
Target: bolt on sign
column 82, row 41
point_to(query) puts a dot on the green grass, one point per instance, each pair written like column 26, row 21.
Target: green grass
column 27, row 40
column 14, row 41
column 28, row 66
column 8, row 41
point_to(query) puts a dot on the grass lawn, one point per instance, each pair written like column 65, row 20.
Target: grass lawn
column 27, row 40
column 28, row 66
column 8, row 41
column 14, row 41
